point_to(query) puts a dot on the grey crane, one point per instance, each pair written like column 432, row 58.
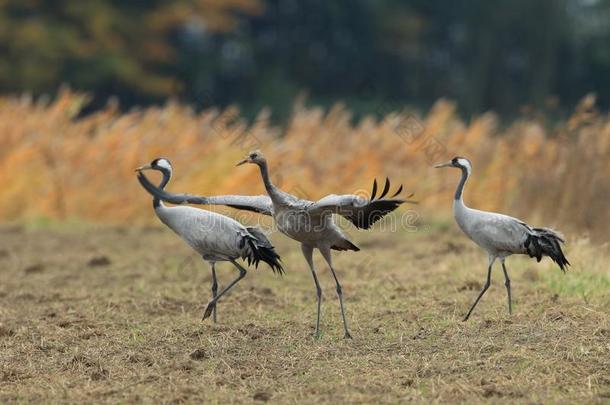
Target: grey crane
column 500, row 235
column 309, row 222
column 217, row 238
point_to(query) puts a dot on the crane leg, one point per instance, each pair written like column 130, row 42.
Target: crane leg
column 308, row 253
column 507, row 285
column 485, row 287
column 214, row 290
column 212, row 304
column 327, row 256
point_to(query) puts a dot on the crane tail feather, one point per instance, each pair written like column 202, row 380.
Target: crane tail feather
column 261, row 250
column 546, row 242
column 345, row 245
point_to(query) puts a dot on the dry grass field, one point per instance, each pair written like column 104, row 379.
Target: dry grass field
column 113, row 314
column 99, row 303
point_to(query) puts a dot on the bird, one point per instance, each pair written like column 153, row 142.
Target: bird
column 309, row 222
column 216, row 237
column 501, row 235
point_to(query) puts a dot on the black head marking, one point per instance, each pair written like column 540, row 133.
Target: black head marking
column 155, row 163
column 456, row 163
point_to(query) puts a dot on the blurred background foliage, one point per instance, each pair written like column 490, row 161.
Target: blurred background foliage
column 335, row 92
column 53, row 166
column 501, row 55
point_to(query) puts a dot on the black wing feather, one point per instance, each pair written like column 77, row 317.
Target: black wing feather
column 386, row 188
column 374, row 191
column 366, row 216
column 373, row 212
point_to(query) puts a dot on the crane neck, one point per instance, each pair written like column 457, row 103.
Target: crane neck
column 460, row 188
column 167, row 175
column 269, row 186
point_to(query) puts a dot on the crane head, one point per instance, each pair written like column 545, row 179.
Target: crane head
column 161, row 164
column 458, row 161
column 256, row 157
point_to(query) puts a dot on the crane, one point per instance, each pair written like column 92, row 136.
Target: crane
column 309, row 222
column 217, row 238
column 500, row 235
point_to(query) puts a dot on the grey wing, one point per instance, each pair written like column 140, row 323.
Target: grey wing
column 257, row 203
column 362, row 212
column 502, row 233
column 260, row 203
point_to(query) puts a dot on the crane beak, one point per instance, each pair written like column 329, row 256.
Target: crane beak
column 241, row 162
column 145, row 167
column 446, row 164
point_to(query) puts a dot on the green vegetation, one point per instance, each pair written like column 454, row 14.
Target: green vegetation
column 589, row 287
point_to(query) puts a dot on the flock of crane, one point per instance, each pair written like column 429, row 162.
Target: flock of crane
column 218, row 238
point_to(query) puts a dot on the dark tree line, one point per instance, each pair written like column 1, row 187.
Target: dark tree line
column 500, row 55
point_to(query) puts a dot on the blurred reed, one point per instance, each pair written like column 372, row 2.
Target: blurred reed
column 55, row 164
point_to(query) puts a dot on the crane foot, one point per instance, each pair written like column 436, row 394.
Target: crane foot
column 208, row 310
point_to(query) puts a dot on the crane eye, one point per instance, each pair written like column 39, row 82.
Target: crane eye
column 252, row 156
